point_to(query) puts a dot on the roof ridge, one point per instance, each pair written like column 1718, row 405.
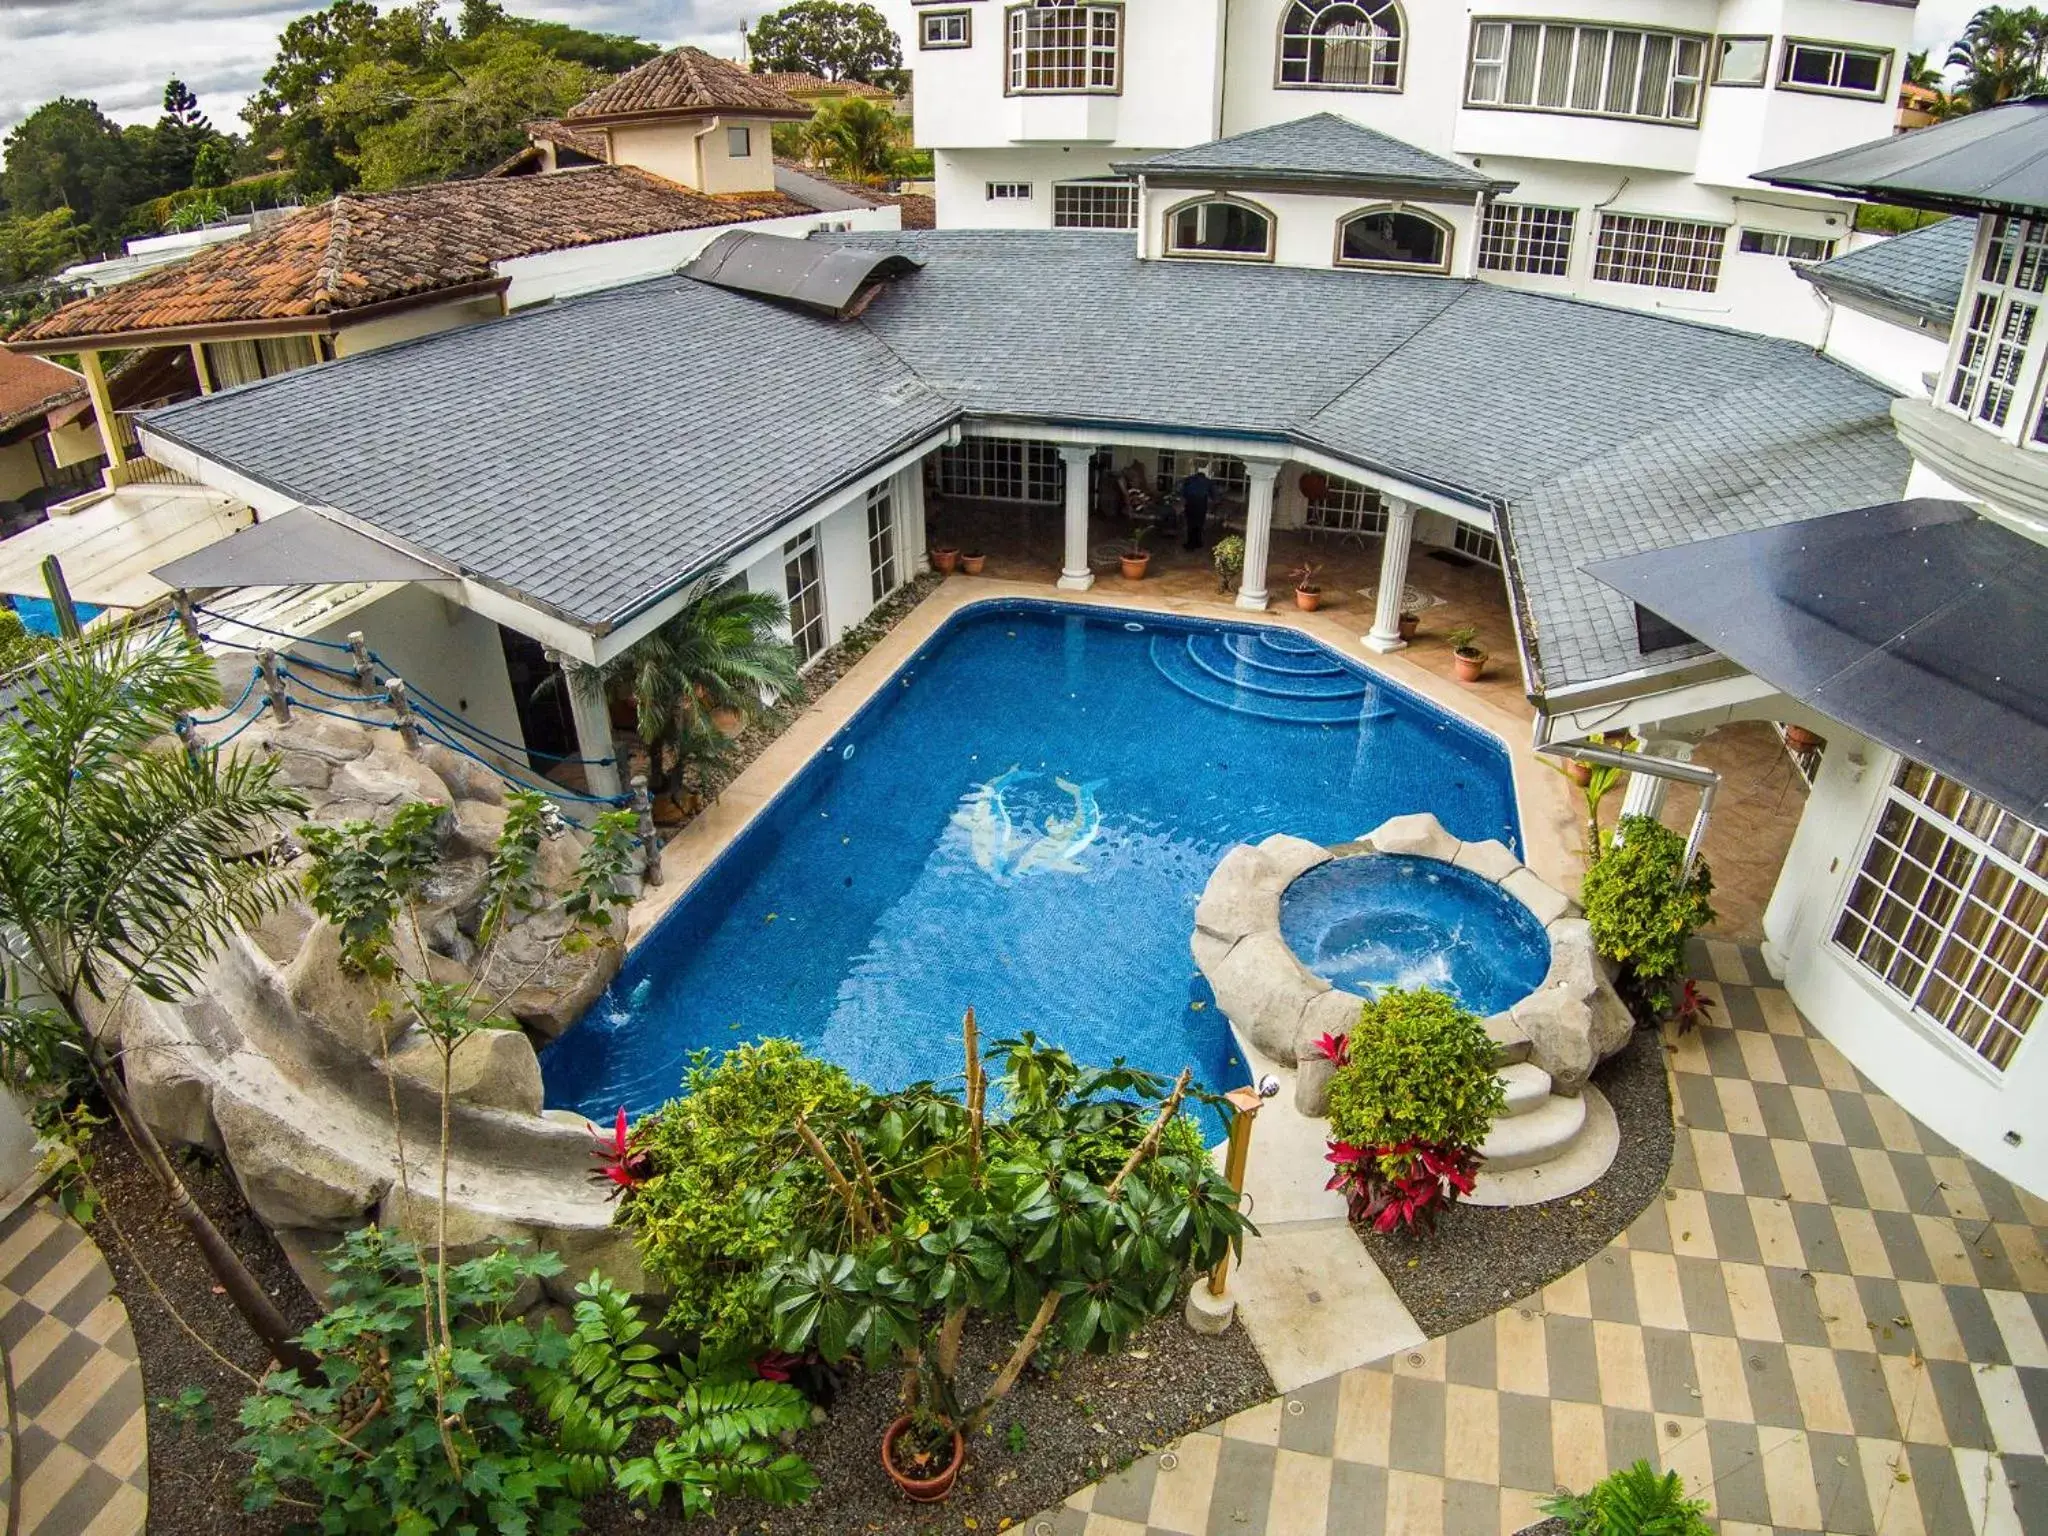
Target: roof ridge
column 334, row 261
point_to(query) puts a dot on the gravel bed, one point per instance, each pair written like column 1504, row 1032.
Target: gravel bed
column 1482, row 1257
column 1060, row 1430
column 1554, row 1526
column 195, row 1472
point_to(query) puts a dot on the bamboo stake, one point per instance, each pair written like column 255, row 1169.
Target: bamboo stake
column 854, row 1206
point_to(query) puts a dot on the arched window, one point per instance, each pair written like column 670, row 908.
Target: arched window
column 1344, row 44
column 1398, row 239
column 1219, row 226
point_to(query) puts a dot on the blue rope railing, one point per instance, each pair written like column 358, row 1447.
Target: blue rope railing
column 442, row 715
column 429, row 729
column 291, row 677
column 277, row 634
column 255, row 674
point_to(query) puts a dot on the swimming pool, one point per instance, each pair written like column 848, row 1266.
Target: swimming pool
column 1022, row 819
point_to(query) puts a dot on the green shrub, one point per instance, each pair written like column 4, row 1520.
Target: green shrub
column 1634, row 1501
column 729, row 1188
column 275, row 189
column 1891, row 219
column 1640, row 910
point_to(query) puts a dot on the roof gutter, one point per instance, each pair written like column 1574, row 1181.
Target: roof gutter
column 1668, row 768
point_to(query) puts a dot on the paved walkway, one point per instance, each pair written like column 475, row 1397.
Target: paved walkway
column 1830, row 1322
column 73, row 1454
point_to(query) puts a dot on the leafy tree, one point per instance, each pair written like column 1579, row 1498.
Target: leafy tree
column 831, row 38
column 1919, row 73
column 1642, row 904
column 607, row 52
column 69, row 154
column 123, row 866
column 858, row 138
column 2001, row 54
column 172, row 152
column 214, row 164
column 33, row 246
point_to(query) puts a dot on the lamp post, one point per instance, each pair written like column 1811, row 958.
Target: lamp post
column 1209, row 1309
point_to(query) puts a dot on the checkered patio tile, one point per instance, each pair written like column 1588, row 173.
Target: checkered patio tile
column 1832, row 1321
column 79, row 1464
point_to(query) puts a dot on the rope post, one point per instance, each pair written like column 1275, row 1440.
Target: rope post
column 650, row 840
column 187, row 619
column 401, row 706
column 273, row 685
column 188, row 735
column 366, row 674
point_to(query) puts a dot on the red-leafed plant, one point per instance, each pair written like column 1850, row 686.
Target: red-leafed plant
column 1693, row 1007
column 1414, row 1095
column 619, row 1163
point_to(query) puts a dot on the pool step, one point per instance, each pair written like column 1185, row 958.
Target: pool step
column 1170, row 655
column 1528, row 1085
column 1216, row 655
column 1537, row 1133
column 1205, row 666
column 1277, row 653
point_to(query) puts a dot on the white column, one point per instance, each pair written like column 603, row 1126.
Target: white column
column 1385, row 634
column 1258, row 531
column 910, row 519
column 1643, row 794
column 594, row 740
column 1075, row 576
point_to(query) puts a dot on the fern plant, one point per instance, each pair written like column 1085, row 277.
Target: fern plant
column 1633, row 1501
column 717, row 1426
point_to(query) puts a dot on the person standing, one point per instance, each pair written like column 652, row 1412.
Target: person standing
column 1196, row 492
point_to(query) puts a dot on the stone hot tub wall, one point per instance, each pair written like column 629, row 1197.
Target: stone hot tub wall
column 1567, row 1026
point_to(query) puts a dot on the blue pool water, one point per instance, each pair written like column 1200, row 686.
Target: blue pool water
column 39, row 614
column 1388, row 920
column 1022, row 819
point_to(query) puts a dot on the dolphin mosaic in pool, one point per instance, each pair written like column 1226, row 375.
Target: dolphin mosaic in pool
column 1004, row 849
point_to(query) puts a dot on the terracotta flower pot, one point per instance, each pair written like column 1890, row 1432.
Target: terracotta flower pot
column 1410, row 622
column 1800, row 739
column 1579, row 773
column 623, row 713
column 1471, row 665
column 944, row 558
column 923, row 1490
column 972, row 564
column 1308, row 599
column 1135, row 564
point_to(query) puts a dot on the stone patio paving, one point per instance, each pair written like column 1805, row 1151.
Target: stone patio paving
column 1832, row 1321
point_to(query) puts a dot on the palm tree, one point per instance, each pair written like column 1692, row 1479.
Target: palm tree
column 1920, row 73
column 2001, row 54
column 724, row 654
column 857, row 138
column 125, row 865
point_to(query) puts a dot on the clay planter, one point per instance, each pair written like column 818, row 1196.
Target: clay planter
column 1471, row 665
column 1800, row 739
column 1308, row 599
column 1314, row 483
column 972, row 564
column 1410, row 622
column 1135, row 564
column 944, row 558
column 925, row 1490
column 623, row 713
column 1579, row 773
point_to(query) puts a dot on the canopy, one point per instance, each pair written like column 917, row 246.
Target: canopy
column 1994, row 159
column 1918, row 623
column 836, row 279
column 296, row 548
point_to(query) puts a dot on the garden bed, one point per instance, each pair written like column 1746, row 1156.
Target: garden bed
column 1058, row 1431
column 195, row 1473
column 1482, row 1257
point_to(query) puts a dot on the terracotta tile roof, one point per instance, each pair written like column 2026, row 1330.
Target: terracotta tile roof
column 363, row 250
column 29, row 386
column 797, row 83
column 587, row 142
column 685, row 80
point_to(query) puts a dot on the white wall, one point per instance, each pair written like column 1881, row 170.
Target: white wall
column 1305, row 227
column 961, row 178
column 19, row 472
column 1897, row 356
column 368, row 335
column 1914, row 1061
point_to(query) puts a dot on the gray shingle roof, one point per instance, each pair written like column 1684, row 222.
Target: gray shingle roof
column 1323, row 149
column 1919, row 274
column 602, row 451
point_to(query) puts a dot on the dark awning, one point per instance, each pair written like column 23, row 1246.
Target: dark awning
column 1918, row 623
column 836, row 279
column 1995, row 159
column 296, row 548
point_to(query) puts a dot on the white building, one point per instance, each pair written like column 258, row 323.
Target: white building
column 1630, row 135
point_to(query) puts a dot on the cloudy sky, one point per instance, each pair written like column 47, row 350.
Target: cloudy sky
column 119, row 52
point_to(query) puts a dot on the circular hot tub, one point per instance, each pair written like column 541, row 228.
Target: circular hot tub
column 1383, row 920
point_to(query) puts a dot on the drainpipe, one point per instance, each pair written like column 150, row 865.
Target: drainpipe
column 1706, row 780
column 697, row 139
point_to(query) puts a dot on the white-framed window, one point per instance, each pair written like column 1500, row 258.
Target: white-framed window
column 1397, row 239
column 1059, row 46
column 1106, row 204
column 883, row 571
column 1342, row 44
column 1476, row 542
column 1552, row 66
column 1771, row 242
column 1659, row 253
column 806, row 589
column 739, row 142
column 1527, row 237
column 1997, row 359
column 1009, row 191
column 1228, row 474
column 1741, row 60
column 1949, row 909
column 1835, row 68
column 1220, row 226
column 1000, row 469
column 945, row 29
column 1346, row 508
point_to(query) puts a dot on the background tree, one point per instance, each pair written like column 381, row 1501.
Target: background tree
column 172, row 154
column 858, row 138
column 36, row 245
column 69, row 154
column 2001, row 55
column 1919, row 73
column 829, row 38
column 214, row 165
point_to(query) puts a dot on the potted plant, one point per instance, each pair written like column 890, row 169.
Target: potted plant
column 1228, row 558
column 971, row 561
column 1078, row 1212
column 1136, row 557
column 1308, row 592
column 1314, row 484
column 945, row 557
column 1800, row 739
column 1410, row 622
column 1469, row 659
